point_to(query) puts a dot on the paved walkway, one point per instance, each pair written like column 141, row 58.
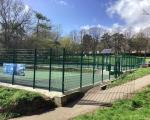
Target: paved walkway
column 92, row 100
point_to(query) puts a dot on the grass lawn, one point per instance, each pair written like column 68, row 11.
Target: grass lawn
column 136, row 108
column 14, row 103
column 132, row 76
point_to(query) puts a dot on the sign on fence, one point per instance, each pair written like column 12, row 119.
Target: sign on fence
column 17, row 69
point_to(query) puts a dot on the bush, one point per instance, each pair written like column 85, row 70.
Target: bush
column 136, row 104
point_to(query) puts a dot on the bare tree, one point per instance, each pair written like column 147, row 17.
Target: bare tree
column 106, row 41
column 74, row 35
column 118, row 41
column 140, row 43
column 14, row 20
column 88, row 43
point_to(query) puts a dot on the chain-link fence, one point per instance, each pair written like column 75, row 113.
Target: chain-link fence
column 62, row 70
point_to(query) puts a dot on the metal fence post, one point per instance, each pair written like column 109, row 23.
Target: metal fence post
column 125, row 63
column 63, row 71
column 94, row 60
column 98, row 60
column 122, row 66
column 81, row 63
column 109, row 66
column 138, row 62
column 35, row 61
column 14, row 57
column 115, row 67
column 50, row 67
column 119, row 65
column 131, row 62
column 134, row 62
column 102, row 67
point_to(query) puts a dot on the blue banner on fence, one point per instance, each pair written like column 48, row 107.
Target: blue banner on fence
column 17, row 69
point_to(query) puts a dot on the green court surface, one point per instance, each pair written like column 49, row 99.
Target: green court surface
column 71, row 79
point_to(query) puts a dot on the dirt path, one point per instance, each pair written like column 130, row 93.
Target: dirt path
column 92, row 100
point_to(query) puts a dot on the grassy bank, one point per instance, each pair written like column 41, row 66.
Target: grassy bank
column 14, row 103
column 131, row 76
column 136, row 108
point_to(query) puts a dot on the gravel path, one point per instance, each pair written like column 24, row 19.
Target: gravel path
column 93, row 99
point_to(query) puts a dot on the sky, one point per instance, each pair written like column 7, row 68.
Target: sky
column 111, row 14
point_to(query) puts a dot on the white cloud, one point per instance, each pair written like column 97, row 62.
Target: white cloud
column 26, row 8
column 133, row 12
column 61, row 2
column 112, row 29
column 86, row 27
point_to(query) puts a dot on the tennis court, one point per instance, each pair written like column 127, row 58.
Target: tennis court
column 72, row 79
column 60, row 70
